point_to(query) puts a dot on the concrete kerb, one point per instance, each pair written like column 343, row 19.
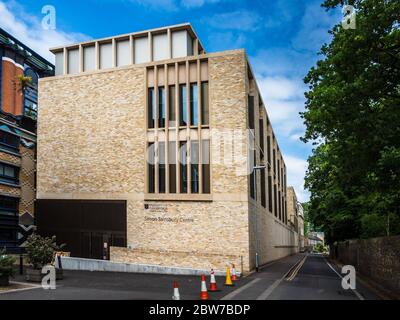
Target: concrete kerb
column 71, row 263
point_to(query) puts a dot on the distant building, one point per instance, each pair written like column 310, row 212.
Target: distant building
column 296, row 217
column 20, row 69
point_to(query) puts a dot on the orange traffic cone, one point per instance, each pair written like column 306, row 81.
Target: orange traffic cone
column 203, row 293
column 228, row 281
column 234, row 277
column 176, row 295
column 213, row 283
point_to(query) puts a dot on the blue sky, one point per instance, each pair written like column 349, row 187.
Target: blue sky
column 281, row 37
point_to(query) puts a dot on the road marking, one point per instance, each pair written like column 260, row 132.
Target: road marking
column 359, row 296
column 233, row 294
column 271, row 288
column 297, row 269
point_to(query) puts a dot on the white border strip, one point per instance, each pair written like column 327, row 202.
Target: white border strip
column 13, row 62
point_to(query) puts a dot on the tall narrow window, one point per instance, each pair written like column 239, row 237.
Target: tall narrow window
column 274, row 160
column 275, row 202
column 161, row 107
column 161, row 167
column 204, row 103
column 279, row 172
column 151, row 167
column 269, row 149
column 205, row 155
column 270, row 193
column 172, row 166
column 150, row 108
column 251, row 112
column 182, row 106
column 193, row 105
column 171, row 106
column 280, row 205
column 263, row 194
column 183, row 166
column 253, row 179
column 194, row 166
column 261, row 134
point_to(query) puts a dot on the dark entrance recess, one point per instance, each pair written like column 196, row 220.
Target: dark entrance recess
column 85, row 226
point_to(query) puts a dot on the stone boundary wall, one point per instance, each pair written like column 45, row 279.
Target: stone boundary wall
column 195, row 260
column 376, row 258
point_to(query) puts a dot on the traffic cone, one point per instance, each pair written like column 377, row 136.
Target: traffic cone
column 234, row 277
column 203, row 293
column 176, row 295
column 228, row 281
column 213, row 283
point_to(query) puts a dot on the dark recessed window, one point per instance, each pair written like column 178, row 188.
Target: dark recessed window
column 182, row 106
column 161, row 107
column 9, row 173
column 172, row 166
column 194, row 166
column 204, row 104
column 183, row 167
column 150, row 109
column 270, row 193
column 193, row 105
column 161, row 167
column 9, row 140
column 251, row 112
column 263, row 194
column 8, row 206
column 171, row 106
column 205, row 155
column 261, row 133
column 151, row 167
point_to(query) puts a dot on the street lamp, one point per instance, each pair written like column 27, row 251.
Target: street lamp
column 255, row 168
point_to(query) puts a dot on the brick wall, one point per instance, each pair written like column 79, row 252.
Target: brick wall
column 11, row 91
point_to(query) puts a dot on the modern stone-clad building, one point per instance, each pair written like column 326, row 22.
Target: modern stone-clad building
column 20, row 69
column 145, row 148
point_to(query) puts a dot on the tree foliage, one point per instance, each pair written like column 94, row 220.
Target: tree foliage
column 353, row 118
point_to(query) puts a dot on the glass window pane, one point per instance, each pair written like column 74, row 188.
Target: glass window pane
column 151, row 167
column 123, row 53
column 204, row 104
column 205, row 144
column 9, row 171
column 182, row 106
column 194, row 166
column 89, row 58
column 150, row 108
column 105, row 55
column 193, row 105
column 171, row 101
column 172, row 166
column 73, row 61
column 161, row 107
column 183, row 167
column 161, row 167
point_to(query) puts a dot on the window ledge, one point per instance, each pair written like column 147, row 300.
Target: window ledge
column 177, row 197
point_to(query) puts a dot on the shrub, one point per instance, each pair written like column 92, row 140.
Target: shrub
column 40, row 250
column 6, row 264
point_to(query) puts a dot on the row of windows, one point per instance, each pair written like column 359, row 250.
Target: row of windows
column 182, row 116
column 184, row 154
column 8, row 220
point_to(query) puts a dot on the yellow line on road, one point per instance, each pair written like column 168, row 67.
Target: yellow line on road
column 297, row 269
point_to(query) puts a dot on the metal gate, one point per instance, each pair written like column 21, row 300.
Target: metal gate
column 87, row 227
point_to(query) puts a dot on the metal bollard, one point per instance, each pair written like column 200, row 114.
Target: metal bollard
column 21, row 264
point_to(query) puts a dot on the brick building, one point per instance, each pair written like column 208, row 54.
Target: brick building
column 145, row 149
column 18, row 113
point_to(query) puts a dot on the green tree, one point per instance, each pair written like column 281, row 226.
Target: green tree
column 353, row 118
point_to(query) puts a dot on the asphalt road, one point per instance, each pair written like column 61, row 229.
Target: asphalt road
column 311, row 279
column 315, row 279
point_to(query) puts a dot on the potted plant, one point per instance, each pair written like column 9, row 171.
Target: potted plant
column 40, row 252
column 6, row 268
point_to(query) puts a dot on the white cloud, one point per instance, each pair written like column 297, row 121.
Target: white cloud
column 28, row 29
column 296, row 168
column 197, row 3
column 241, row 20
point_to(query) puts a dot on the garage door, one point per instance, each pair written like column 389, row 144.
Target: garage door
column 87, row 227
